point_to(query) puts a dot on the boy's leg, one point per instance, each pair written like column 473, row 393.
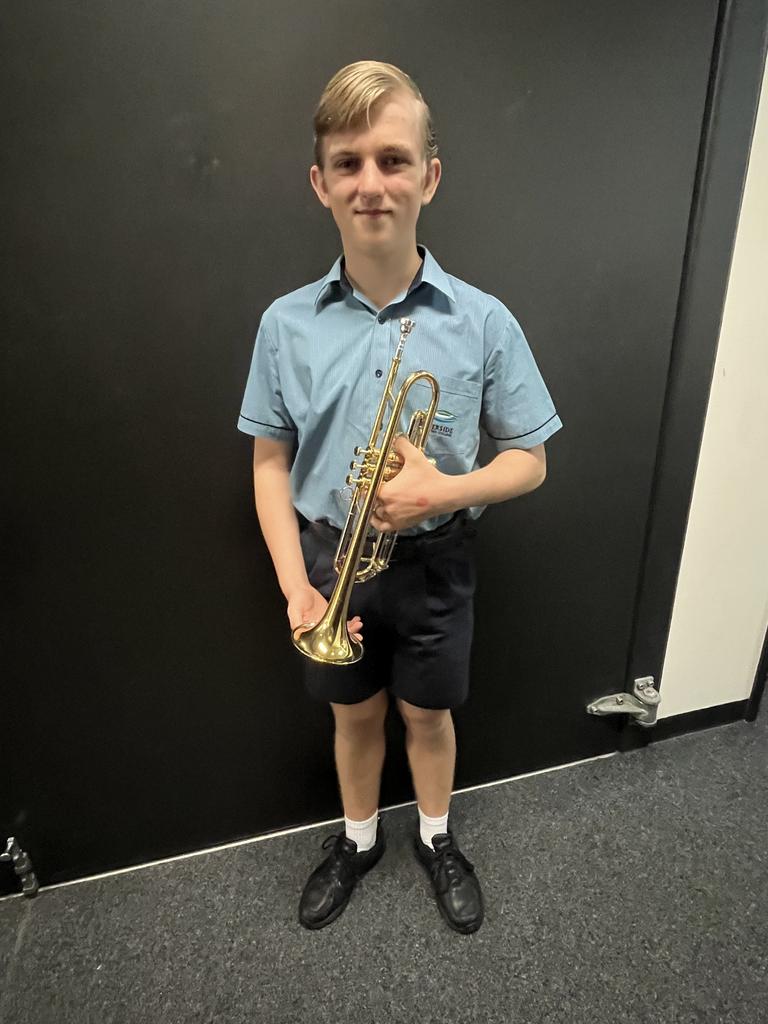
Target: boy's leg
column 430, row 743
column 359, row 743
column 360, row 749
column 430, row 677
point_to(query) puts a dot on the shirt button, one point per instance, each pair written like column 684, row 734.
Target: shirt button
column 381, row 318
column 378, row 373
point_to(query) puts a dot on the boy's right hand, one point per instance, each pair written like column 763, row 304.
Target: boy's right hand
column 307, row 606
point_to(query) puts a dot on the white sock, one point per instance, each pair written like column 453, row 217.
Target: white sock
column 429, row 827
column 362, row 832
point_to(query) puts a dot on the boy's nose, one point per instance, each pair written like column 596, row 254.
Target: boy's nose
column 370, row 179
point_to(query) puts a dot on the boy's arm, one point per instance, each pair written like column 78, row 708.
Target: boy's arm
column 277, row 516
column 511, row 473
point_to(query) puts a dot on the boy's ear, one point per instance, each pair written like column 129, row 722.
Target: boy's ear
column 432, row 180
column 318, row 184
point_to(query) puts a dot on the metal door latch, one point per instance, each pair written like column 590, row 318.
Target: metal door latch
column 22, row 865
column 642, row 703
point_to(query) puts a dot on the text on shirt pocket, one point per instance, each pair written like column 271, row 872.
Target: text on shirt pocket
column 456, row 424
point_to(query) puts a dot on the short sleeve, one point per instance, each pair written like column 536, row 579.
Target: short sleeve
column 263, row 412
column 517, row 410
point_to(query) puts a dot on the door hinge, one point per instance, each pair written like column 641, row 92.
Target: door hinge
column 642, row 704
column 22, row 865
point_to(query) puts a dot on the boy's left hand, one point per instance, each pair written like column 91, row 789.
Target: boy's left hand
column 417, row 492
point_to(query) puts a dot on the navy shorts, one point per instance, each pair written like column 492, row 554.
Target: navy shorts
column 418, row 618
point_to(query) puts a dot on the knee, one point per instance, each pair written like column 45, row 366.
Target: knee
column 361, row 719
column 423, row 720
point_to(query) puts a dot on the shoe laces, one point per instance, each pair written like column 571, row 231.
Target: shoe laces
column 449, row 868
column 341, row 857
column 336, row 838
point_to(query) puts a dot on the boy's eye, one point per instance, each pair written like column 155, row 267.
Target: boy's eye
column 341, row 164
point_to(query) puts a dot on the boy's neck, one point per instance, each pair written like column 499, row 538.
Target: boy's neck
column 382, row 277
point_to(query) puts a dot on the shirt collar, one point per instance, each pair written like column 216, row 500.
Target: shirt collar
column 430, row 272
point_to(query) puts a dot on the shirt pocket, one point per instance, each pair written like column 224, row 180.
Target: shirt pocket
column 455, row 428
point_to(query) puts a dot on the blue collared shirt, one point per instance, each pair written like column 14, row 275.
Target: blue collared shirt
column 321, row 358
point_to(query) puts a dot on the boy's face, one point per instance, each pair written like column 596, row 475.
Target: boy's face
column 381, row 168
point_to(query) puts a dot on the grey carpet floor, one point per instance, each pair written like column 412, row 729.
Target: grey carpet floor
column 630, row 889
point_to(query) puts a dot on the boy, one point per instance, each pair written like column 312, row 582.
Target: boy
column 320, row 360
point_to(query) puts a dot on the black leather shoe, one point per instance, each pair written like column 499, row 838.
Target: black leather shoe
column 454, row 882
column 330, row 885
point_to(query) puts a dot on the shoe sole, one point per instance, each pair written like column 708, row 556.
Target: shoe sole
column 315, row 925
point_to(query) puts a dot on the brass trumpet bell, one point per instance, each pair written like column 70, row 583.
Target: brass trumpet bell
column 329, row 641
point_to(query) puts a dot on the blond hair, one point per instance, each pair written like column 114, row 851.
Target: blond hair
column 354, row 91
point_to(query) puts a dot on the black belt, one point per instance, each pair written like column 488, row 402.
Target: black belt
column 460, row 523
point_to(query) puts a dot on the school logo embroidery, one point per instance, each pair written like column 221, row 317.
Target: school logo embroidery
column 441, row 428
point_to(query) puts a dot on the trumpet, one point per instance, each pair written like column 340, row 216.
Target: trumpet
column 329, row 641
